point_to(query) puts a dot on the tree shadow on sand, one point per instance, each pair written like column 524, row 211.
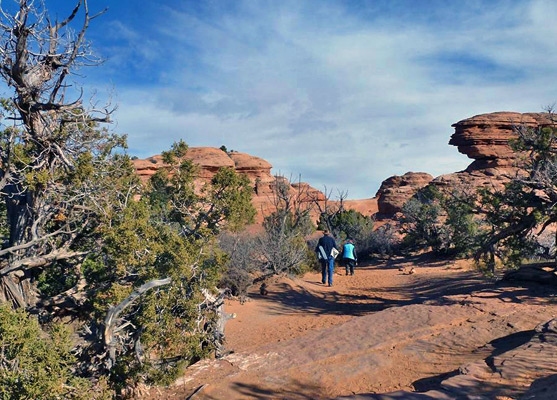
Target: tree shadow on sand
column 291, row 299
column 294, row 391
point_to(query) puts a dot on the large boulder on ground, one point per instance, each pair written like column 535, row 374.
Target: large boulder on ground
column 397, row 190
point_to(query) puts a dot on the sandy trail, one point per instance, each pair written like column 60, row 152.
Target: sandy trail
column 378, row 331
column 295, row 306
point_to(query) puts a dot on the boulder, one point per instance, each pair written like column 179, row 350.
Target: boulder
column 397, row 190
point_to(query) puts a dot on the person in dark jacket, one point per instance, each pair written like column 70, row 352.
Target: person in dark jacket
column 349, row 256
column 325, row 255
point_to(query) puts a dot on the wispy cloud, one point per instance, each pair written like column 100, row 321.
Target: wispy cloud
column 345, row 93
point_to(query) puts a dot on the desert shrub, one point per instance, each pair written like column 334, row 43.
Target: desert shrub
column 444, row 223
column 383, row 241
column 421, row 223
column 349, row 224
column 243, row 262
column 346, row 224
column 279, row 249
column 37, row 364
column 283, row 246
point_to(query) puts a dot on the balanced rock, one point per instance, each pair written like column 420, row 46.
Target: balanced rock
column 485, row 138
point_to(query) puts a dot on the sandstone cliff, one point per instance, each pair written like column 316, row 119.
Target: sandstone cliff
column 211, row 159
column 483, row 138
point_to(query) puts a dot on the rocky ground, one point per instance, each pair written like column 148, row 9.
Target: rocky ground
column 442, row 332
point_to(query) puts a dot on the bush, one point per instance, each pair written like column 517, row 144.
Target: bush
column 38, row 365
column 280, row 249
column 244, row 261
column 444, row 223
column 349, row 224
column 383, row 241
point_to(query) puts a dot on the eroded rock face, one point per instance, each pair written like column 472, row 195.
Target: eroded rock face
column 485, row 137
column 211, row 159
column 397, row 190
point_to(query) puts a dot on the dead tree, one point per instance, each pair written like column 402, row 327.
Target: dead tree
column 283, row 246
column 329, row 210
column 47, row 136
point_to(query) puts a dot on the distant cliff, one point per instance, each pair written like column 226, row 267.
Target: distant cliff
column 211, row 159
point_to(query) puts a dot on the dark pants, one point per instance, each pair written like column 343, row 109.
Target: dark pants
column 327, row 266
column 349, row 264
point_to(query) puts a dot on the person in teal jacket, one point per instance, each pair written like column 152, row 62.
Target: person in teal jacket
column 349, row 256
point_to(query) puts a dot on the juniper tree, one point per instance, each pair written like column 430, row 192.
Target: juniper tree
column 134, row 267
column 525, row 207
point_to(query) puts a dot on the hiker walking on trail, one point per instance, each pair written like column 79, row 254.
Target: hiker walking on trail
column 326, row 253
column 349, row 256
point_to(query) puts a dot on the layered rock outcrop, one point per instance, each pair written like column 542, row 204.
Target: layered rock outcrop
column 397, row 190
column 210, row 159
column 483, row 138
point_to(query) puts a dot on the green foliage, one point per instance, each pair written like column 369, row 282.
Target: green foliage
column 444, row 223
column 57, row 279
column 38, row 365
column 169, row 232
column 349, row 224
column 463, row 227
column 84, row 234
column 525, row 204
column 421, row 223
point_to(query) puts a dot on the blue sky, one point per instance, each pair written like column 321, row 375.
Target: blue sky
column 346, row 93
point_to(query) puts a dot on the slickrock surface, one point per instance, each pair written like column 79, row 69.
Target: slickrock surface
column 526, row 372
column 397, row 190
column 379, row 332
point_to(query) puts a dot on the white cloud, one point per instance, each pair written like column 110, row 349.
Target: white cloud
column 343, row 101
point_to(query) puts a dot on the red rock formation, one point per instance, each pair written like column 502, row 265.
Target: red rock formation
column 485, row 139
column 210, row 160
column 397, row 190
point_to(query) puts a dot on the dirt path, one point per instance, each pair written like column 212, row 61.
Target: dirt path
column 378, row 331
column 295, row 306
